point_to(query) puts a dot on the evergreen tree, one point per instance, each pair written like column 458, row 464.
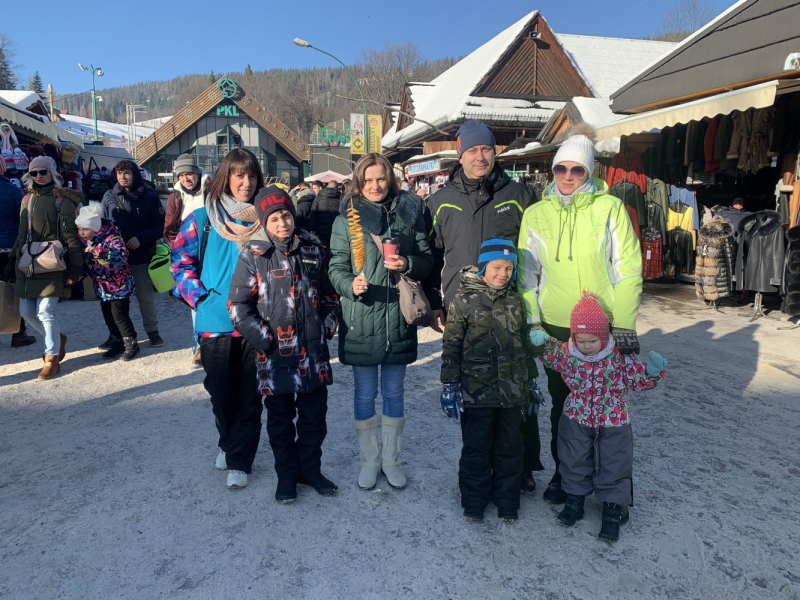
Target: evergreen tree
column 212, row 79
column 248, row 76
column 8, row 81
column 35, row 84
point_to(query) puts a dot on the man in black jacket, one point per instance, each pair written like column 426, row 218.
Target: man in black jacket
column 136, row 210
column 303, row 199
column 479, row 203
column 324, row 212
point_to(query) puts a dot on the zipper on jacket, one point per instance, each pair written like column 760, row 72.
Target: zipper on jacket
column 388, row 234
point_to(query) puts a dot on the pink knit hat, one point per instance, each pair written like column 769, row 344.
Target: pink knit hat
column 588, row 317
column 42, row 162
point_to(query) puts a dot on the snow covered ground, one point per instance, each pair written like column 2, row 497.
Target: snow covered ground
column 115, row 131
column 108, row 488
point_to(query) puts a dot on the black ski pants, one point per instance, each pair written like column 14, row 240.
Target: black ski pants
column 297, row 450
column 558, row 394
column 230, row 366
column 118, row 318
column 491, row 457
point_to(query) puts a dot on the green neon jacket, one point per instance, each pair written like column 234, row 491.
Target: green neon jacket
column 460, row 216
column 589, row 245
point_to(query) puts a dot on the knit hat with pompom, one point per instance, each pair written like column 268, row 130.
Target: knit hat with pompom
column 588, row 317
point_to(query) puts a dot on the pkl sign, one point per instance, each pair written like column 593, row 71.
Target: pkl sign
column 429, row 166
column 227, row 111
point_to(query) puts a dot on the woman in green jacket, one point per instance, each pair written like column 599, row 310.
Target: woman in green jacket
column 373, row 333
column 53, row 210
column 577, row 238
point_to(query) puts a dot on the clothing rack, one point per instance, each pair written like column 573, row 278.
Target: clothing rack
column 758, row 310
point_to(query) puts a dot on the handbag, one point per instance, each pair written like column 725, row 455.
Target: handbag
column 42, row 257
column 413, row 304
column 159, row 269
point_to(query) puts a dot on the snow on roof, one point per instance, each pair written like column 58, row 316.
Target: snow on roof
column 595, row 111
column 520, row 151
column 424, row 157
column 22, row 99
column 609, row 63
column 154, row 123
column 605, row 63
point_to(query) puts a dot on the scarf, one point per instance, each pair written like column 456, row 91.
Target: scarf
column 223, row 212
column 573, row 350
column 282, row 245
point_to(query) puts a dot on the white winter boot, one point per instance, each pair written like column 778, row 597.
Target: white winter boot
column 367, row 432
column 221, row 463
column 391, row 432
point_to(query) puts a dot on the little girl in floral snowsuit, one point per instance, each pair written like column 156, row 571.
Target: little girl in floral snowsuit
column 595, row 442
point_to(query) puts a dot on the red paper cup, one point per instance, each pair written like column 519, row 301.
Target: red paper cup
column 390, row 246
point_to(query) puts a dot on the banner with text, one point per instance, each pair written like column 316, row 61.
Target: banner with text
column 357, row 138
column 375, row 133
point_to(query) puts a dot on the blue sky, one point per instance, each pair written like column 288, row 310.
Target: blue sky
column 147, row 40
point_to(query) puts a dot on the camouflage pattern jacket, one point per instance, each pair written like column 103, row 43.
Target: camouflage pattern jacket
column 485, row 346
column 282, row 304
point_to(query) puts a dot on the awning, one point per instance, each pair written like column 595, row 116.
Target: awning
column 10, row 113
column 756, row 96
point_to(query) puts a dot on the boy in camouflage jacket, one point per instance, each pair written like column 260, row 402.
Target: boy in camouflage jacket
column 488, row 369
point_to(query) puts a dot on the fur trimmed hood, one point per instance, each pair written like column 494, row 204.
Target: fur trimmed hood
column 716, row 229
column 770, row 225
column 407, row 207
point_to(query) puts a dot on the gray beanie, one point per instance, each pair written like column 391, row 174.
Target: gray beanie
column 186, row 164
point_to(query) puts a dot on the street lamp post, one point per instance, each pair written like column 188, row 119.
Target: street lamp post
column 305, row 44
column 99, row 72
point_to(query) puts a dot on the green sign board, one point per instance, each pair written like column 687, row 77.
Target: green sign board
column 227, row 110
column 227, row 88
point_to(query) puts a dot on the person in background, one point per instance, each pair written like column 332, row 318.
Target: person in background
column 290, row 339
column 480, row 202
column 204, row 257
column 487, row 366
column 106, row 263
column 10, row 205
column 303, row 198
column 138, row 213
column 52, row 209
column 374, row 335
column 324, row 212
column 189, row 195
column 316, row 187
column 578, row 236
column 734, row 214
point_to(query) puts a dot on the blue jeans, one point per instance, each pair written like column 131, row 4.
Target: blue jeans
column 40, row 313
column 365, row 380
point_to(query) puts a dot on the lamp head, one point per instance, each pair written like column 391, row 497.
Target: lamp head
column 82, row 67
column 100, row 72
column 301, row 43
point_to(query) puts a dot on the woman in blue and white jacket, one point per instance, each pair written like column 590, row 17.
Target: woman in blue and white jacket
column 204, row 257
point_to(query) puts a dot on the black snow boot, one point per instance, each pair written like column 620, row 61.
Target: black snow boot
column 131, row 349
column 573, row 510
column 614, row 515
column 474, row 514
column 509, row 515
column 554, row 494
column 155, row 339
column 112, row 339
column 286, row 491
column 116, row 348
column 323, row 486
column 22, row 339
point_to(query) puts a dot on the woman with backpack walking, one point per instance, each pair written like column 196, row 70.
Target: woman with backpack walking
column 204, row 257
column 48, row 215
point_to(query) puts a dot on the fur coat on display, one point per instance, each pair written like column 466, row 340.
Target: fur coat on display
column 715, row 256
column 791, row 289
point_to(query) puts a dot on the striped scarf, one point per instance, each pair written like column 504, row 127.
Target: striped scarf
column 224, row 210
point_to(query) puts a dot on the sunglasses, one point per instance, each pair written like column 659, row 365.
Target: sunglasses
column 561, row 171
column 41, row 173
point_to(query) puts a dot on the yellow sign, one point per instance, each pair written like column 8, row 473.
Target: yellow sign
column 357, row 141
column 375, row 133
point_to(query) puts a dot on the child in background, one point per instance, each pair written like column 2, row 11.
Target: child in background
column 106, row 262
column 283, row 304
column 489, row 376
column 595, row 442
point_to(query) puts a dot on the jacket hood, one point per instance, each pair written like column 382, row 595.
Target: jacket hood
column 581, row 199
column 106, row 230
column 793, row 234
column 305, row 195
column 717, row 228
column 330, row 193
column 407, row 207
column 204, row 181
column 68, row 193
column 771, row 222
column 138, row 192
column 494, row 181
column 471, row 281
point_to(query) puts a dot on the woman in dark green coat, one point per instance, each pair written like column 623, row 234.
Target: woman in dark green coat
column 373, row 333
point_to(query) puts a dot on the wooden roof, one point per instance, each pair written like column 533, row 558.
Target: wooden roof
column 199, row 108
column 534, row 69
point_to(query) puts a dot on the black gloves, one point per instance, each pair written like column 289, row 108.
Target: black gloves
column 627, row 341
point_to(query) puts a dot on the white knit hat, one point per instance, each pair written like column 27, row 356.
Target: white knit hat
column 578, row 147
column 90, row 217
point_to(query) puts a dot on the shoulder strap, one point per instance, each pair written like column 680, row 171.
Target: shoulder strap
column 203, row 244
column 379, row 244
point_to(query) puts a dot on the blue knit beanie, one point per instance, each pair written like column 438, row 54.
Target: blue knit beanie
column 473, row 133
column 497, row 249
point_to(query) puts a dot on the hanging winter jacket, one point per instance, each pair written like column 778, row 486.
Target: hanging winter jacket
column 760, row 256
column 627, row 165
column 791, row 278
column 282, row 303
column 631, row 195
column 714, row 270
column 485, row 346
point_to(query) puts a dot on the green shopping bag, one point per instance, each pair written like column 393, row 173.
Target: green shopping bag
column 159, row 271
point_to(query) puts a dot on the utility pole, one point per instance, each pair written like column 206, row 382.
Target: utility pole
column 50, row 95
